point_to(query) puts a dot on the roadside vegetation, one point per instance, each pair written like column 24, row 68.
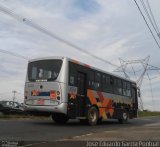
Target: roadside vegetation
column 148, row 113
column 26, row 116
column 21, row 116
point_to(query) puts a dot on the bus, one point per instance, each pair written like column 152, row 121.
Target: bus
column 67, row 89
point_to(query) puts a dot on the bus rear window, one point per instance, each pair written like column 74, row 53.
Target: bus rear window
column 44, row 70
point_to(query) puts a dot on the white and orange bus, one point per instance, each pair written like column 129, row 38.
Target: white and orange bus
column 68, row 89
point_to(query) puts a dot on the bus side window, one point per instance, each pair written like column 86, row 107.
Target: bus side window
column 97, row 83
column 117, row 86
column 91, row 80
column 128, row 91
column 106, row 87
column 71, row 80
column 124, row 88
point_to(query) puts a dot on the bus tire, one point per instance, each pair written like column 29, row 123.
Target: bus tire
column 92, row 116
column 60, row 118
column 124, row 118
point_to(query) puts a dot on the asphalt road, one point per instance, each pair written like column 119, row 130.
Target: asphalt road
column 47, row 131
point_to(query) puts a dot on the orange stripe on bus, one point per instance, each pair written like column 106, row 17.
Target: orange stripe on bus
column 86, row 65
column 91, row 97
column 100, row 96
column 103, row 100
column 75, row 61
column 109, row 108
column 105, row 103
column 101, row 111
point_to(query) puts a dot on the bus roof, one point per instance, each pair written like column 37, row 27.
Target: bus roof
column 47, row 58
column 80, row 63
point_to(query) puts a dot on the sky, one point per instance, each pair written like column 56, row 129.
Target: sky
column 110, row 29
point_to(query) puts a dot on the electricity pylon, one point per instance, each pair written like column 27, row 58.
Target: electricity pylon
column 138, row 78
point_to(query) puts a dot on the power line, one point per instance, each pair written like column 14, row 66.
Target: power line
column 13, row 54
column 45, row 31
column 152, row 20
column 146, row 23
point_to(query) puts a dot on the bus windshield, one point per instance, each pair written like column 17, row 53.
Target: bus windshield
column 44, row 70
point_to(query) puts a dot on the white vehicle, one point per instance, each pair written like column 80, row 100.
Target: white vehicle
column 68, row 89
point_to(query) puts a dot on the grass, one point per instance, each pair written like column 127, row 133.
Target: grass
column 148, row 113
column 22, row 116
column 16, row 116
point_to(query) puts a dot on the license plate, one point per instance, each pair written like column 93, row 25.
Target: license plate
column 53, row 102
column 40, row 102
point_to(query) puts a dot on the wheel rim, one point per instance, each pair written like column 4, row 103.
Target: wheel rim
column 125, row 116
column 93, row 116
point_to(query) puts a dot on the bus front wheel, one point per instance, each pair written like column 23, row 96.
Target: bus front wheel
column 92, row 116
column 60, row 118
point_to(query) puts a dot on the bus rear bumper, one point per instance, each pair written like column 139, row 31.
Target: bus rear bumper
column 61, row 108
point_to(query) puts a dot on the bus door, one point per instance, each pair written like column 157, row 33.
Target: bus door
column 81, row 94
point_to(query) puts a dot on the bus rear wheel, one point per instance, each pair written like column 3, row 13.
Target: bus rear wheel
column 124, row 118
column 92, row 116
column 60, row 118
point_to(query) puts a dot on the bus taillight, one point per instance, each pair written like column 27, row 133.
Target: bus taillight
column 52, row 94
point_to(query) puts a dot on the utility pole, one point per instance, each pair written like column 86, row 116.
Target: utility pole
column 14, row 95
